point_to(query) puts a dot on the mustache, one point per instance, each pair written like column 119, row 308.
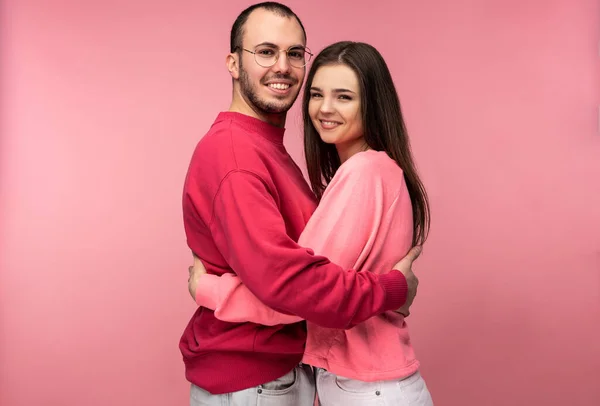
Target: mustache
column 288, row 78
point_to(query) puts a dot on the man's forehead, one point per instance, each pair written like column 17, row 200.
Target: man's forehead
column 264, row 26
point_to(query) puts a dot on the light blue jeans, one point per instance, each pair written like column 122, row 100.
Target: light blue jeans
column 296, row 388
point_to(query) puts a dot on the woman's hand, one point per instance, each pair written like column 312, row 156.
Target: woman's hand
column 196, row 271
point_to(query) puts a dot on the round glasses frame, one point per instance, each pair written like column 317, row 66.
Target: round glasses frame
column 265, row 61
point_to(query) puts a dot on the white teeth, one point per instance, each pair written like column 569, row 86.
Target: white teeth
column 329, row 123
column 279, row 86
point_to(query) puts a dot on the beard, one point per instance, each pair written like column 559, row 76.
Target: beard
column 250, row 93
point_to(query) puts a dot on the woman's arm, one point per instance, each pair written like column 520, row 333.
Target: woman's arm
column 232, row 301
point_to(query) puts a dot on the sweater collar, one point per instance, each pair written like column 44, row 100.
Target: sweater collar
column 262, row 128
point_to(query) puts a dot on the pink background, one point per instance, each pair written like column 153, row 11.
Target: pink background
column 103, row 102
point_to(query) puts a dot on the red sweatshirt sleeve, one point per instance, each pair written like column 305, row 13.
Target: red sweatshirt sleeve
column 250, row 233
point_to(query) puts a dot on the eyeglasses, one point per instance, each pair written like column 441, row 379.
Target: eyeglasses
column 268, row 55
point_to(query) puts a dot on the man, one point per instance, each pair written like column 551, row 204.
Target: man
column 245, row 204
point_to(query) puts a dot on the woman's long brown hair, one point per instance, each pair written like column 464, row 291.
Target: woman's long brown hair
column 384, row 128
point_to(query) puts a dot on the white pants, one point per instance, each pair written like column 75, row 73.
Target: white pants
column 335, row 390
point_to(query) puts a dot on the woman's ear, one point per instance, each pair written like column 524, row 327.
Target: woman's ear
column 233, row 64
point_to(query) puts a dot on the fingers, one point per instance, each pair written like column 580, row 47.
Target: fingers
column 406, row 262
column 198, row 263
column 414, row 253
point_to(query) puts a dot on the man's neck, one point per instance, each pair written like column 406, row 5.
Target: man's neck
column 239, row 105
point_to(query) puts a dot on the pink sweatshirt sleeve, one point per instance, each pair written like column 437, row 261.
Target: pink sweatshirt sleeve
column 342, row 229
column 232, row 301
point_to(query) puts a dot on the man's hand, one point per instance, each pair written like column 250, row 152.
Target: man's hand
column 405, row 266
column 196, row 271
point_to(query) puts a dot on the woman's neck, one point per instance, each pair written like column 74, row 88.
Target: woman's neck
column 351, row 148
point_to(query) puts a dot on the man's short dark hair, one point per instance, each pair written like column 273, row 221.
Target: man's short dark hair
column 237, row 31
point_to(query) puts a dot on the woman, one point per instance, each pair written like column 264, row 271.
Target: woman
column 357, row 152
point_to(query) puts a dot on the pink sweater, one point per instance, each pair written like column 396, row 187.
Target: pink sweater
column 364, row 221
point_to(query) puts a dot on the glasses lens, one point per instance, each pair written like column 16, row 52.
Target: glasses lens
column 265, row 56
column 297, row 56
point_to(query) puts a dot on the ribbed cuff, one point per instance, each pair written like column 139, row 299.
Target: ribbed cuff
column 205, row 295
column 396, row 289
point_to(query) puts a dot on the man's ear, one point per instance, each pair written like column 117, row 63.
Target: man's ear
column 233, row 65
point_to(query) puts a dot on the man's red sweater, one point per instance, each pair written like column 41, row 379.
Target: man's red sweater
column 245, row 203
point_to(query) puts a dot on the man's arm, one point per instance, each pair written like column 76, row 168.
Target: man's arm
column 233, row 302
column 342, row 228
column 250, row 233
